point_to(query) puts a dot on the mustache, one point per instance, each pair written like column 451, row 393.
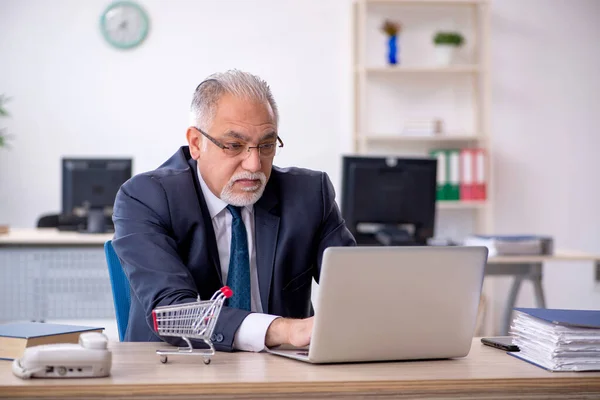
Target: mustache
column 254, row 176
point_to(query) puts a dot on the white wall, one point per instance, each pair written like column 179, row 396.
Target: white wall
column 546, row 134
column 74, row 95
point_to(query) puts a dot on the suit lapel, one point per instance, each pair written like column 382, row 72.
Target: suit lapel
column 208, row 227
column 266, row 229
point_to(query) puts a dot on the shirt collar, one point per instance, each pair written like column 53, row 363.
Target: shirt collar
column 215, row 204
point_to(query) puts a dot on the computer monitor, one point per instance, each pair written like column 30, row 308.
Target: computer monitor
column 89, row 188
column 393, row 198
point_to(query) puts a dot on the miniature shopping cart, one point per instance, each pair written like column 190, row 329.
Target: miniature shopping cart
column 190, row 321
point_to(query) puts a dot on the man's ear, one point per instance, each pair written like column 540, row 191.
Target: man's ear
column 194, row 141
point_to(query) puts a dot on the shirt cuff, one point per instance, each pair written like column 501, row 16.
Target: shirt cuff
column 252, row 332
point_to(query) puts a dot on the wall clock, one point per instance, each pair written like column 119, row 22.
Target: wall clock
column 124, row 24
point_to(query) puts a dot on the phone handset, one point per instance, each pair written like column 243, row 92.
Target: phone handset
column 88, row 359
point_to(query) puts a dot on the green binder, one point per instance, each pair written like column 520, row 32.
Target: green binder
column 452, row 187
column 442, row 176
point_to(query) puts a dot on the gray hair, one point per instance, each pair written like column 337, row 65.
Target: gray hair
column 237, row 83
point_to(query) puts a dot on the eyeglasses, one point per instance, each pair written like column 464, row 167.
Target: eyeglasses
column 232, row 149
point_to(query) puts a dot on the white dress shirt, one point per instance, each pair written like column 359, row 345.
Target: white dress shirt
column 251, row 334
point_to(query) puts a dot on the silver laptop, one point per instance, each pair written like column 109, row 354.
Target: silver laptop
column 394, row 303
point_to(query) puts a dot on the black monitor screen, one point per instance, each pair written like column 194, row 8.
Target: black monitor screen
column 92, row 183
column 390, row 191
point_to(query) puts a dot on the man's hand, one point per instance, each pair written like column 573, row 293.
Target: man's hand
column 296, row 332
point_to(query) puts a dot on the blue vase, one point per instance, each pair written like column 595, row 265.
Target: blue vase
column 393, row 50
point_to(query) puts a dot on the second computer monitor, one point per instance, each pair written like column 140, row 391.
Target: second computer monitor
column 92, row 183
column 390, row 192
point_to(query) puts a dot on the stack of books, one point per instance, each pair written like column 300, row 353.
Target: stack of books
column 18, row 336
column 557, row 340
column 422, row 127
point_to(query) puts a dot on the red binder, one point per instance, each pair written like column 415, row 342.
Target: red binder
column 467, row 174
column 480, row 187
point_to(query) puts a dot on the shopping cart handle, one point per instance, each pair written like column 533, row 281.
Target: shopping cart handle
column 227, row 292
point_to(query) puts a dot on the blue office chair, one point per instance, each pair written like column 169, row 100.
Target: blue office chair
column 120, row 288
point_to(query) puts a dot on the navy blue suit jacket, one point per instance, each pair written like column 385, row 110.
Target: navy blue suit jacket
column 165, row 240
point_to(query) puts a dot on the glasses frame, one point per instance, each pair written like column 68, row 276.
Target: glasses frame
column 223, row 147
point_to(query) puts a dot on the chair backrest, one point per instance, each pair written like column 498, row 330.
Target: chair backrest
column 120, row 288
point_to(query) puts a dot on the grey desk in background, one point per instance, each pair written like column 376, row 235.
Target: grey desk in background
column 46, row 274
column 529, row 268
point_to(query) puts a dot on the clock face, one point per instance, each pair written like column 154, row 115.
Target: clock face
column 124, row 24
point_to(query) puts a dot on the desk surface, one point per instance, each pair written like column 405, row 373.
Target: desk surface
column 52, row 237
column 137, row 372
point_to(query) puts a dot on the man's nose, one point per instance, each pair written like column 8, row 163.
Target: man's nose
column 252, row 161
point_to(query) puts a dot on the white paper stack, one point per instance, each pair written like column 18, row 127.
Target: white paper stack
column 422, row 127
column 558, row 340
column 501, row 245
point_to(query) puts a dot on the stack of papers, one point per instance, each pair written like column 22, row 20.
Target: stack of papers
column 499, row 245
column 558, row 340
column 422, row 127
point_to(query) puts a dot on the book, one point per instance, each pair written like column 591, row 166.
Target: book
column 16, row 337
column 558, row 340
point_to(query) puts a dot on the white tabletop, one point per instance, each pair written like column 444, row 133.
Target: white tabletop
column 51, row 236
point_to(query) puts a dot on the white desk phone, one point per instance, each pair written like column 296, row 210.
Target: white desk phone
column 88, row 359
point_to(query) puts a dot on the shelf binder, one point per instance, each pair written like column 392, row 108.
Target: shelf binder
column 453, row 191
column 467, row 174
column 440, row 156
column 461, row 174
column 480, row 188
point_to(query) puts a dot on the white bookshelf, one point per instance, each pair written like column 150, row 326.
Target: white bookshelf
column 385, row 96
column 429, row 2
column 456, row 69
column 462, row 205
column 400, row 139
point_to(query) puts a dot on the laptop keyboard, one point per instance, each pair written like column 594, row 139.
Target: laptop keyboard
column 303, row 353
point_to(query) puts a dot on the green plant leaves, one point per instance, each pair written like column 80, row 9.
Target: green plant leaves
column 449, row 38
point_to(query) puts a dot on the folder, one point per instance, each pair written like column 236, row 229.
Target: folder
column 480, row 175
column 441, row 174
column 453, row 186
column 569, row 318
column 558, row 340
column 467, row 174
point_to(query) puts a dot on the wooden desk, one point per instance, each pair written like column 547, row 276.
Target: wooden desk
column 138, row 373
column 529, row 268
column 47, row 274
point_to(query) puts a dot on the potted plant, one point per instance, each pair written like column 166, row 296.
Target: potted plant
column 392, row 30
column 446, row 44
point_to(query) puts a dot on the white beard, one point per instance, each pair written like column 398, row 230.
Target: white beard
column 253, row 193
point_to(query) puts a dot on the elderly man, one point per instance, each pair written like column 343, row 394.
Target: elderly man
column 219, row 213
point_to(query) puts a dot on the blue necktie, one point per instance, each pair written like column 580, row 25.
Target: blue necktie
column 238, row 277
